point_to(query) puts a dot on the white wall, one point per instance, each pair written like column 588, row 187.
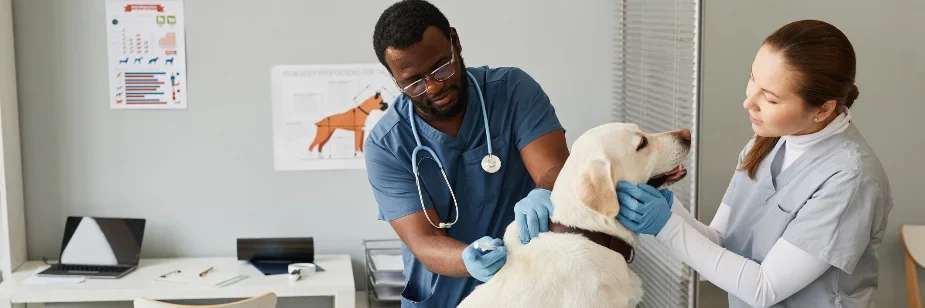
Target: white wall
column 887, row 37
column 12, row 222
column 204, row 176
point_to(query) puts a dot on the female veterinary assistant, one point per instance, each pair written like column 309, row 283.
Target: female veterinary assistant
column 806, row 210
column 493, row 131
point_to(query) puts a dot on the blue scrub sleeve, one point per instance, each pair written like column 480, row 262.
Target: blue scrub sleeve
column 836, row 223
column 534, row 115
column 392, row 184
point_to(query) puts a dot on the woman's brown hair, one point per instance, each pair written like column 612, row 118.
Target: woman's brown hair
column 824, row 61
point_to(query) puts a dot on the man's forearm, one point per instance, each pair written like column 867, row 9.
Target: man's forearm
column 441, row 255
column 548, row 179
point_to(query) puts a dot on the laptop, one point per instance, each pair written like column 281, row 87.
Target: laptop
column 99, row 247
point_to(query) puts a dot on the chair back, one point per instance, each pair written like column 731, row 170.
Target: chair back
column 266, row 300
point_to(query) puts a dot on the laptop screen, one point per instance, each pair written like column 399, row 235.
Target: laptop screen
column 102, row 241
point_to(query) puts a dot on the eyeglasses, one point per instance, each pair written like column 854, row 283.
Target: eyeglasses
column 442, row 73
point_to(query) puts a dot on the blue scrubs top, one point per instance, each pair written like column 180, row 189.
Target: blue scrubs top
column 519, row 111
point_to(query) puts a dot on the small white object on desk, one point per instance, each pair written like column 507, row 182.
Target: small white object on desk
column 297, row 270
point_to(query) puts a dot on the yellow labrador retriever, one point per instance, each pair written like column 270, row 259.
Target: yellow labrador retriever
column 583, row 260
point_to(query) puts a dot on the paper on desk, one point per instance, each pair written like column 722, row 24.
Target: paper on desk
column 212, row 279
column 36, row 279
column 388, row 262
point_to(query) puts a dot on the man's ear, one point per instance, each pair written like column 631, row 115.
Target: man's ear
column 455, row 37
column 597, row 190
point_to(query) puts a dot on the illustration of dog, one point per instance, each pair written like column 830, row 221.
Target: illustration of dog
column 153, row 61
column 169, row 60
column 124, row 61
column 351, row 120
column 138, row 60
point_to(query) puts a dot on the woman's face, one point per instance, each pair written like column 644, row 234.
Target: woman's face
column 773, row 106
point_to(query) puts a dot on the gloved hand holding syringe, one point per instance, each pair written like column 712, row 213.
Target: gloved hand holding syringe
column 484, row 246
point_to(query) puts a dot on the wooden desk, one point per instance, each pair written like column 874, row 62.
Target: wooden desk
column 913, row 237
column 336, row 281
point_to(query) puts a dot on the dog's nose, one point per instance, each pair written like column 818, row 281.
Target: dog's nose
column 383, row 106
column 685, row 135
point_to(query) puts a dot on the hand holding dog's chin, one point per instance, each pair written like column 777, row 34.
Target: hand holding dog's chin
column 643, row 209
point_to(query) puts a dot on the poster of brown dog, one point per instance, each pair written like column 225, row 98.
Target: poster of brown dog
column 353, row 120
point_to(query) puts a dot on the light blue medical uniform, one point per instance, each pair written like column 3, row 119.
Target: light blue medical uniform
column 518, row 112
column 832, row 202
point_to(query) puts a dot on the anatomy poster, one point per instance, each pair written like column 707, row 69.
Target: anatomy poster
column 147, row 58
column 323, row 113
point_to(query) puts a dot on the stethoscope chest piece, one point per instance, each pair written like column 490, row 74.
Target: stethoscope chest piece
column 491, row 163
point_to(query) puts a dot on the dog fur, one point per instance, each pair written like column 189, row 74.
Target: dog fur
column 568, row 270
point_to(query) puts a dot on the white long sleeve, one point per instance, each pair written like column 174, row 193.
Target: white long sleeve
column 785, row 270
column 711, row 232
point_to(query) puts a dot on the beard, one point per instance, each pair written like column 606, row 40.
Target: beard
column 426, row 106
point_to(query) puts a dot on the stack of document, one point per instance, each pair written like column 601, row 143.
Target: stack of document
column 387, row 277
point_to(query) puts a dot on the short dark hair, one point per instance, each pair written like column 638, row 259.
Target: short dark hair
column 402, row 24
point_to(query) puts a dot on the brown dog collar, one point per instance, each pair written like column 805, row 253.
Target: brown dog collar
column 610, row 242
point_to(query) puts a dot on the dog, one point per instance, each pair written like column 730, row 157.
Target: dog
column 352, row 120
column 124, row 61
column 169, row 60
column 137, row 60
column 153, row 61
column 565, row 268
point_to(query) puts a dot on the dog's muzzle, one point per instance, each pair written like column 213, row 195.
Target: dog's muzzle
column 383, row 106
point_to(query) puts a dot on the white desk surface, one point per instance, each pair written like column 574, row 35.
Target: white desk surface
column 914, row 238
column 336, row 280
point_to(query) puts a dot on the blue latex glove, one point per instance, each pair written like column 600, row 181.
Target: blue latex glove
column 484, row 265
column 643, row 208
column 532, row 214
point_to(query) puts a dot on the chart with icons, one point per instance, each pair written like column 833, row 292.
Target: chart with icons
column 147, row 58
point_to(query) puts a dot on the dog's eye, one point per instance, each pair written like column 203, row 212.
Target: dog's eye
column 642, row 144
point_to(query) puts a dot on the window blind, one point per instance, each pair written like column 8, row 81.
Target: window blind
column 656, row 74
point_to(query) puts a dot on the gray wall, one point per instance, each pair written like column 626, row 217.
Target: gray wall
column 890, row 48
column 204, row 176
column 12, row 220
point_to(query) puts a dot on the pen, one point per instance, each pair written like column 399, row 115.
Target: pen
column 206, row 271
column 165, row 275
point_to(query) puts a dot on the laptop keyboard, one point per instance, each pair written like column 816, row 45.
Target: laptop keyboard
column 91, row 268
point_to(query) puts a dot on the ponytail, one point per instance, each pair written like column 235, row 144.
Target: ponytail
column 760, row 149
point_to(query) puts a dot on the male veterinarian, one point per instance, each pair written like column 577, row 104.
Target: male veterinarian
column 440, row 120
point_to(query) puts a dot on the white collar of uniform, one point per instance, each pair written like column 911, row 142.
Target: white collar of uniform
column 804, row 142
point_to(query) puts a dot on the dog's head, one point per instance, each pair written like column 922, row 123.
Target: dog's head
column 375, row 102
column 615, row 152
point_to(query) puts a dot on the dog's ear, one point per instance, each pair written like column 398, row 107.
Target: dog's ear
column 597, row 190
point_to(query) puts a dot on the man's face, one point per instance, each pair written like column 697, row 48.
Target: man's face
column 442, row 99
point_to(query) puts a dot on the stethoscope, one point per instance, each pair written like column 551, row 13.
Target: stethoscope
column 490, row 163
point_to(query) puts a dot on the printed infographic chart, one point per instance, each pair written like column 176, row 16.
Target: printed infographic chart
column 147, row 58
column 322, row 114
